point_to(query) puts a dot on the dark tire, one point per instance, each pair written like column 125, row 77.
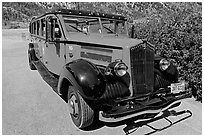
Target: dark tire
column 81, row 113
column 32, row 67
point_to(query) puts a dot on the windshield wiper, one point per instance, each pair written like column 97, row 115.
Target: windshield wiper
column 110, row 30
column 77, row 29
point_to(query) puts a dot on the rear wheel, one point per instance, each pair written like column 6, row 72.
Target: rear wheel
column 81, row 113
column 32, row 67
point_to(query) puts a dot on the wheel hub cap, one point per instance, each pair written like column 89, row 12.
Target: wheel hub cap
column 73, row 106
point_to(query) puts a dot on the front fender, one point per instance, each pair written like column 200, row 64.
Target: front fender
column 85, row 76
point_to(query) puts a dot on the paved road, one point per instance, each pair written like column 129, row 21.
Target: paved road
column 29, row 105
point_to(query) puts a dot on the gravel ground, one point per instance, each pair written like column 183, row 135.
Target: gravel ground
column 30, row 107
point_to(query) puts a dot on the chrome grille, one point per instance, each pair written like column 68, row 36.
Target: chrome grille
column 142, row 68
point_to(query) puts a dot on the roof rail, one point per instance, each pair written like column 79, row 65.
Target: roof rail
column 88, row 13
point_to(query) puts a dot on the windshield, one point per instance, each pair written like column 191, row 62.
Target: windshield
column 89, row 25
column 82, row 25
column 114, row 26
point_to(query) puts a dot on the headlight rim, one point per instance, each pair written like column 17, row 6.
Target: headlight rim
column 117, row 66
column 164, row 64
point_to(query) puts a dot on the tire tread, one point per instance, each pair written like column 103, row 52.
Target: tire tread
column 87, row 113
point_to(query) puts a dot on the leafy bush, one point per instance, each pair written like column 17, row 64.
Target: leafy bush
column 176, row 31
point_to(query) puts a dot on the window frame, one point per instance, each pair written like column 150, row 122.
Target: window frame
column 50, row 28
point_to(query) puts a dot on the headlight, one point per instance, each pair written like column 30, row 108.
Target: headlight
column 120, row 69
column 164, row 64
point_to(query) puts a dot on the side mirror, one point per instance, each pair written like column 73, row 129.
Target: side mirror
column 57, row 32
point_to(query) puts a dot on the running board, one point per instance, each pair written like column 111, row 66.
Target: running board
column 130, row 128
column 46, row 75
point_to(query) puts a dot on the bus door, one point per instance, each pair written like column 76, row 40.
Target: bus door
column 54, row 49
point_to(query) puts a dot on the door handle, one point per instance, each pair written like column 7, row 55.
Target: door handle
column 52, row 42
column 47, row 43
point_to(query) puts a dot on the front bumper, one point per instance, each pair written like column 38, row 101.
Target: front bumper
column 149, row 104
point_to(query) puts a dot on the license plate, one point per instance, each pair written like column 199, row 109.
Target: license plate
column 178, row 87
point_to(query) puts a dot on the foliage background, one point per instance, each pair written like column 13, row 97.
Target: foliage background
column 175, row 28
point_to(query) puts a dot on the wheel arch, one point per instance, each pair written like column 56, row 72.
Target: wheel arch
column 31, row 52
column 65, row 80
column 90, row 87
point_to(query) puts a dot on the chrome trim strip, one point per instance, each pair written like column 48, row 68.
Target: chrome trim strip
column 97, row 49
column 94, row 56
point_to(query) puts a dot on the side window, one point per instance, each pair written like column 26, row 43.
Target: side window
column 30, row 28
column 53, row 29
column 43, row 27
column 35, row 28
column 49, row 34
column 38, row 27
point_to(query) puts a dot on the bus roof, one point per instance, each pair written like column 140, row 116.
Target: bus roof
column 84, row 13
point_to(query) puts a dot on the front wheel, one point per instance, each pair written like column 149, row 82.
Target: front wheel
column 81, row 113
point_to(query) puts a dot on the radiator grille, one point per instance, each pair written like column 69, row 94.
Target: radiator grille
column 142, row 68
column 160, row 82
column 115, row 89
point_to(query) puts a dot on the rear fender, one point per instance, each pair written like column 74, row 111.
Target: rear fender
column 31, row 52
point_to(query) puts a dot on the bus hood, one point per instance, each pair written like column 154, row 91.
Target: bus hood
column 104, row 40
